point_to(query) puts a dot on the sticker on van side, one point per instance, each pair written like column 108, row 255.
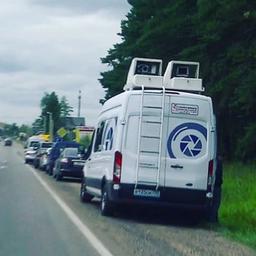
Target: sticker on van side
column 177, row 108
column 187, row 140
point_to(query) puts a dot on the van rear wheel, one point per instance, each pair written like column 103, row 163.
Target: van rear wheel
column 211, row 214
column 106, row 206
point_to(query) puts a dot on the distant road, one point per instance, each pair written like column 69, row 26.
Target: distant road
column 39, row 216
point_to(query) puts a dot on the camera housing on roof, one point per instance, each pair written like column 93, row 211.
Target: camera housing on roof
column 144, row 72
column 179, row 75
column 183, row 76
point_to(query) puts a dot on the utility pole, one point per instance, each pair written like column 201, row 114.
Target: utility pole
column 79, row 103
column 45, row 122
column 51, row 125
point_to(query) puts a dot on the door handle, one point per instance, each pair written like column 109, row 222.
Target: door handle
column 176, row 166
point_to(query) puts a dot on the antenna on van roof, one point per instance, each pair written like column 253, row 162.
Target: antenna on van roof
column 144, row 72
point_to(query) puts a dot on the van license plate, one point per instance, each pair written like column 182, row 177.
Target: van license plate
column 146, row 193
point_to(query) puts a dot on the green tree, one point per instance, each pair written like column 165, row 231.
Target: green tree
column 38, row 125
column 221, row 35
column 11, row 129
column 50, row 106
column 25, row 129
column 65, row 108
column 227, row 32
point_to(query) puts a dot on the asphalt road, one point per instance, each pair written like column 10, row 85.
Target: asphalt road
column 39, row 216
column 31, row 223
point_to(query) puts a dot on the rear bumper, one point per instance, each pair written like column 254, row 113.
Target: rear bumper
column 30, row 158
column 76, row 173
column 176, row 197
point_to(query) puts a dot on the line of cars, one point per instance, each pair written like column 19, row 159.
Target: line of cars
column 60, row 159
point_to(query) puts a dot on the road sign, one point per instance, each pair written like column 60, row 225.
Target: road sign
column 62, row 132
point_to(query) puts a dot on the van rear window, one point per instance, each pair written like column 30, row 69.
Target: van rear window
column 34, row 144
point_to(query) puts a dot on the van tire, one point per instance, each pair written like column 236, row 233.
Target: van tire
column 85, row 197
column 50, row 171
column 36, row 165
column 211, row 214
column 106, row 206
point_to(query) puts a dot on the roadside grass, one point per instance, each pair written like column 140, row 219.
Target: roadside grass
column 238, row 206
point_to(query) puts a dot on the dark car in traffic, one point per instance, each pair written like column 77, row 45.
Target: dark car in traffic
column 57, row 148
column 69, row 164
column 8, row 142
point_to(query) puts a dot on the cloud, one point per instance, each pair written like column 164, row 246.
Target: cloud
column 115, row 7
column 54, row 46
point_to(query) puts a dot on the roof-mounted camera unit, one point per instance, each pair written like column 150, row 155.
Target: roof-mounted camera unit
column 183, row 76
column 144, row 72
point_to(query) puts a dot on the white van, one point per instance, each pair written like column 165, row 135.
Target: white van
column 154, row 143
column 31, row 146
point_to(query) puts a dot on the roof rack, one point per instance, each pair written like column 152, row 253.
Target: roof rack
column 179, row 75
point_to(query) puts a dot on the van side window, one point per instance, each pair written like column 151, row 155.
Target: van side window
column 89, row 149
column 108, row 137
column 98, row 141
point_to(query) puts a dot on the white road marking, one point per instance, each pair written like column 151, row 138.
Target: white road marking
column 94, row 241
column 3, row 164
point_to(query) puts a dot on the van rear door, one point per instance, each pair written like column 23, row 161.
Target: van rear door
column 188, row 141
column 141, row 166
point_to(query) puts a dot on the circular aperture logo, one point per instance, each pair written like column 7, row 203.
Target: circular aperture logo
column 187, row 140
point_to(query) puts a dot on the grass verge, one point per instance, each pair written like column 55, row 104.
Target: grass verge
column 238, row 207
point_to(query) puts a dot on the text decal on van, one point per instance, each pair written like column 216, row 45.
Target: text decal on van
column 187, row 140
column 177, row 108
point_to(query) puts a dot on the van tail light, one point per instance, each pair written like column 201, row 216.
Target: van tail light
column 210, row 175
column 117, row 168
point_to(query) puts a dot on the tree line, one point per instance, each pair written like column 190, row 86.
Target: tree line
column 219, row 34
column 50, row 104
column 52, row 107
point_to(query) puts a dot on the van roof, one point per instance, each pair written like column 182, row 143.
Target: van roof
column 121, row 98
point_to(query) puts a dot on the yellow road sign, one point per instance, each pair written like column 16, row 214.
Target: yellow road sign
column 62, row 132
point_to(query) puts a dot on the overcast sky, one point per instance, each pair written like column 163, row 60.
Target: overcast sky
column 54, row 45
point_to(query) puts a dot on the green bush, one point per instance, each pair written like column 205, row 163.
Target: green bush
column 238, row 207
